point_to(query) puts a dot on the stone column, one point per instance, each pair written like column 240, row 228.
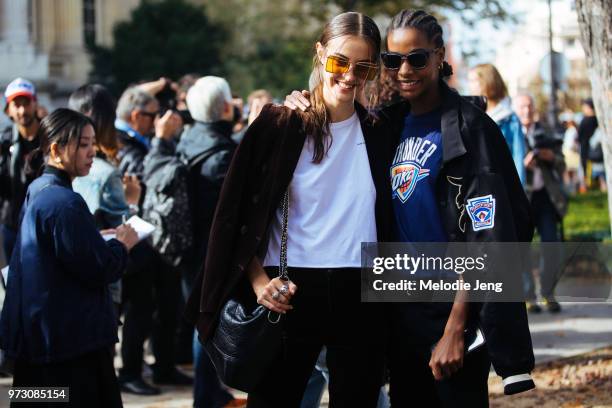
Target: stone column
column 15, row 22
column 69, row 60
column 68, row 24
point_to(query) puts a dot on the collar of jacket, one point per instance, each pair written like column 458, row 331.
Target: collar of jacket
column 123, row 126
column 60, row 175
column 452, row 141
column 203, row 136
column 221, row 127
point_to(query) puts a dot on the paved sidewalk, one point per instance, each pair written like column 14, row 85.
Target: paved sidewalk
column 577, row 329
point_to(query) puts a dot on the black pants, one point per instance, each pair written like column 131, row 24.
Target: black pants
column 547, row 223
column 151, row 292
column 91, row 380
column 416, row 328
column 327, row 311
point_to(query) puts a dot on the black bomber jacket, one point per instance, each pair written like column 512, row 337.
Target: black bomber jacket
column 478, row 163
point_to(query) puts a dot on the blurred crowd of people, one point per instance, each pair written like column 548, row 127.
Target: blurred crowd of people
column 552, row 160
column 191, row 126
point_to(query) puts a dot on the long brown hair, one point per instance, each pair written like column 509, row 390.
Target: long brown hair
column 316, row 122
column 96, row 102
column 492, row 84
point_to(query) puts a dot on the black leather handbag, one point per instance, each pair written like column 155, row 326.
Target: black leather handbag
column 248, row 337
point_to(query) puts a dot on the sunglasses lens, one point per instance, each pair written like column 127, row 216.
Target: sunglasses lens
column 391, row 61
column 335, row 65
column 365, row 71
column 418, row 60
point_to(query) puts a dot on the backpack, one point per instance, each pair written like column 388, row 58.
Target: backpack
column 167, row 204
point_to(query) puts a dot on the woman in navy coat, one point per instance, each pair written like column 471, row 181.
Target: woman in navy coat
column 58, row 323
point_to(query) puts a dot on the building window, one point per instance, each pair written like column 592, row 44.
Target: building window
column 89, row 21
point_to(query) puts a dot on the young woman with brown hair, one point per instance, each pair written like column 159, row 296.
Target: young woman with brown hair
column 337, row 199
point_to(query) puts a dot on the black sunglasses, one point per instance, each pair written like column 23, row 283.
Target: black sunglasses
column 417, row 59
column 152, row 115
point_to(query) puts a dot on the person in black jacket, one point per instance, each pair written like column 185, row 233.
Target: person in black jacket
column 58, row 322
column 17, row 142
column 470, row 162
column 545, row 166
column 136, row 113
column 206, row 149
column 586, row 129
column 138, row 118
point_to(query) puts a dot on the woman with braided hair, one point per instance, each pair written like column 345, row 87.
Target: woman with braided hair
column 462, row 157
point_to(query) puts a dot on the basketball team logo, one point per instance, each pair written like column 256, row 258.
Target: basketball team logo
column 404, row 178
column 482, row 212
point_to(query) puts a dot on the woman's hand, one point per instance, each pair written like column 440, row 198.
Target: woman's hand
column 447, row 356
column 109, row 231
column 127, row 236
column 530, row 160
column 132, row 189
column 275, row 295
column 298, row 100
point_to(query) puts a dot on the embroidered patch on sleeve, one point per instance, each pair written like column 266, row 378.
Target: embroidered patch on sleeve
column 482, row 212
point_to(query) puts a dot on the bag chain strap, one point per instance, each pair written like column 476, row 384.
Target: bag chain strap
column 282, row 269
column 283, row 275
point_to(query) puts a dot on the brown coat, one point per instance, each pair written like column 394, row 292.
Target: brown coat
column 260, row 173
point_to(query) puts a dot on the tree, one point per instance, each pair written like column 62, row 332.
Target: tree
column 271, row 41
column 163, row 38
column 595, row 20
column 477, row 9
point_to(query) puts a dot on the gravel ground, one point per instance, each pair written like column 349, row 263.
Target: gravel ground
column 583, row 381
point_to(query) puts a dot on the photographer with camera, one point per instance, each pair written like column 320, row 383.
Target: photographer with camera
column 545, row 165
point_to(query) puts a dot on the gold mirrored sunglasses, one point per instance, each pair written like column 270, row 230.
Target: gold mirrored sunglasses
column 339, row 65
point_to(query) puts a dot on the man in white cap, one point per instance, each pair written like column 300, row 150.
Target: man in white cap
column 16, row 143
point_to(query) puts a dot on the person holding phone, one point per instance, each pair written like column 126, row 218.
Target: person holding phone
column 58, row 322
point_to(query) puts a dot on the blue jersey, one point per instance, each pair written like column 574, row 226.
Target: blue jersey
column 415, row 168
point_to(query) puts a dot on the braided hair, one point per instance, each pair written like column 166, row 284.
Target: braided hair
column 427, row 24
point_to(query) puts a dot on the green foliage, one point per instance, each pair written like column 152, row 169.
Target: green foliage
column 587, row 217
column 271, row 42
column 471, row 9
column 162, row 38
column 253, row 43
column 277, row 69
column 276, row 37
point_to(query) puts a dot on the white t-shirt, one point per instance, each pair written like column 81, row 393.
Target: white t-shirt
column 331, row 204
